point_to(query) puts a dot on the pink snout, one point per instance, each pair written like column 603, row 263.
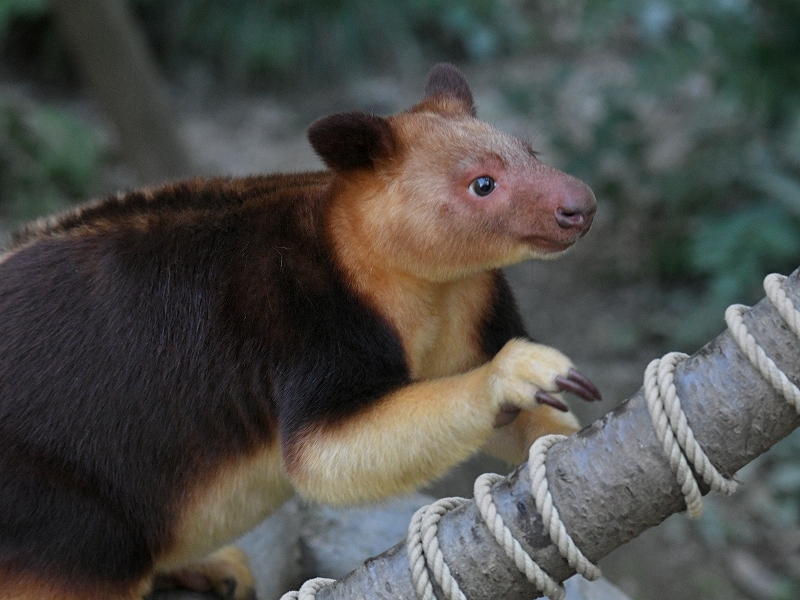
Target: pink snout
column 575, row 206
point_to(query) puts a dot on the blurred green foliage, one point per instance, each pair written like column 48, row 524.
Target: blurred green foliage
column 12, row 9
column 696, row 127
column 47, row 158
column 263, row 45
column 29, row 43
column 288, row 44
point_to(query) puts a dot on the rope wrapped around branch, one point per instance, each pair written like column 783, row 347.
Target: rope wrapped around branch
column 671, row 426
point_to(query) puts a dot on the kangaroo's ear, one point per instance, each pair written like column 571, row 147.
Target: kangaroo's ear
column 353, row 140
column 446, row 80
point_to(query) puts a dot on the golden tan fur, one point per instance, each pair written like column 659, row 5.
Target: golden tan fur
column 224, row 506
column 30, row 587
column 438, row 422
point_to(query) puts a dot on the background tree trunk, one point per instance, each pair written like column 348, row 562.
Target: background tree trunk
column 112, row 55
column 611, row 481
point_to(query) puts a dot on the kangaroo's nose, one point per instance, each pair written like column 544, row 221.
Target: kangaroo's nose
column 576, row 206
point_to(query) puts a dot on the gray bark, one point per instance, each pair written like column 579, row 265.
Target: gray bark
column 113, row 57
column 611, row 481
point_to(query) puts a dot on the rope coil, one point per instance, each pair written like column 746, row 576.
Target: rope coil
column 677, row 438
column 424, row 554
column 422, row 545
column 308, row 591
column 747, row 343
column 550, row 517
column 669, row 420
column 502, row 534
column 678, row 442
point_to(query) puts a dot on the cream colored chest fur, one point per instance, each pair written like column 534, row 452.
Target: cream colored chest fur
column 440, row 325
column 238, row 498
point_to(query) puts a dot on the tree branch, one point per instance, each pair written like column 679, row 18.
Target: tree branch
column 611, row 481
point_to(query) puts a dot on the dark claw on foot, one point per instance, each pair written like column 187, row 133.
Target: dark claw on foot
column 579, row 385
column 545, row 398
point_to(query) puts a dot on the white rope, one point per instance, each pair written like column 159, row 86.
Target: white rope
column 676, row 436
column 424, row 554
column 550, row 517
column 423, row 548
column 773, row 286
column 747, row 343
column 669, row 420
column 535, row 574
column 678, row 442
column 308, row 591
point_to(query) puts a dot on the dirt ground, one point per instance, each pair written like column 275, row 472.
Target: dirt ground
column 567, row 303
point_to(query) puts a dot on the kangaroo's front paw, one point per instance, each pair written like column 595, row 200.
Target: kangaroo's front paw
column 526, row 374
column 225, row 572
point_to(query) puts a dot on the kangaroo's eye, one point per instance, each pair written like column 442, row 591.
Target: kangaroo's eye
column 483, row 186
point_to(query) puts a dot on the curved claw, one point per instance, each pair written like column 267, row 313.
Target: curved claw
column 545, row 398
column 580, row 385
